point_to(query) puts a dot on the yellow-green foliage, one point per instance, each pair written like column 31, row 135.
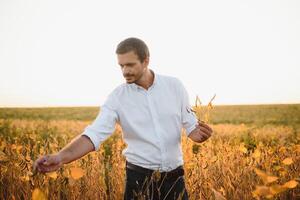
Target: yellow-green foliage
column 240, row 161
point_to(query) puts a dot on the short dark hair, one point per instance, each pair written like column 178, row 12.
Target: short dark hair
column 136, row 45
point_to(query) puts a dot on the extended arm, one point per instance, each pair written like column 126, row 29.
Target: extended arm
column 88, row 141
column 77, row 148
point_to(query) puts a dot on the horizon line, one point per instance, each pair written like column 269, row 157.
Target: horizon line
column 76, row 106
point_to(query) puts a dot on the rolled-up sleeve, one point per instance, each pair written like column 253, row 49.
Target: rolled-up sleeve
column 188, row 118
column 104, row 124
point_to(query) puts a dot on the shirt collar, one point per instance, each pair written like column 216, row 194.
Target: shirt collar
column 155, row 80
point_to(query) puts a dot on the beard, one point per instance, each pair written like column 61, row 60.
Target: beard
column 133, row 78
column 129, row 79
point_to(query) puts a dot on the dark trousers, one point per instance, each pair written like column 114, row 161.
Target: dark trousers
column 150, row 184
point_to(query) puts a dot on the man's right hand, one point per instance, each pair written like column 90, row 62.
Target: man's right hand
column 48, row 163
column 78, row 147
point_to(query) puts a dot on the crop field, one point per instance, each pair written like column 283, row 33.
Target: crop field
column 254, row 153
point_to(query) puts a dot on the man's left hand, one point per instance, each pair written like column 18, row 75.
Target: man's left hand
column 201, row 133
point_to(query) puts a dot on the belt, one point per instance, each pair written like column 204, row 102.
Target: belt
column 175, row 173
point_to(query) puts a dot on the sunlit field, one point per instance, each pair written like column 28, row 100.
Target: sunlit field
column 254, row 153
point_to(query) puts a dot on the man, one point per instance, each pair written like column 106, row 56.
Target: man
column 151, row 109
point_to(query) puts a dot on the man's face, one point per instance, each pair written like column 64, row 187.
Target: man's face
column 132, row 68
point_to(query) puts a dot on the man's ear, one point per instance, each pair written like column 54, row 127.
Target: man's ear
column 146, row 61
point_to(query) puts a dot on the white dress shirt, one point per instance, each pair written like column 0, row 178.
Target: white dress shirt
column 151, row 122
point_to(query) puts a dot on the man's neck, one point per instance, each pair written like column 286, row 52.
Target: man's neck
column 147, row 80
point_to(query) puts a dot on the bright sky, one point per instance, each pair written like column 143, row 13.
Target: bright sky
column 61, row 53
